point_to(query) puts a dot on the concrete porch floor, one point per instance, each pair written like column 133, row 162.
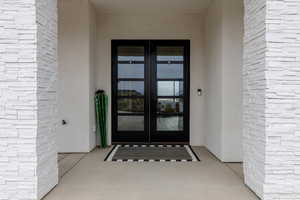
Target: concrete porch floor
column 88, row 177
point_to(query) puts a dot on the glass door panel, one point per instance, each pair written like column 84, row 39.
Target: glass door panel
column 169, row 105
column 169, row 123
column 131, row 106
column 131, row 88
column 170, row 88
column 129, row 91
column 170, row 62
column 130, row 123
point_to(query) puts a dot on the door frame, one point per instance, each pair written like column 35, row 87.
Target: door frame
column 137, row 136
column 128, row 136
column 164, row 136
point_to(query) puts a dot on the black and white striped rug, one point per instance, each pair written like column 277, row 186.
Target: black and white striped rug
column 152, row 153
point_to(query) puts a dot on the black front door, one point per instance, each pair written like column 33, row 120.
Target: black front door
column 150, row 91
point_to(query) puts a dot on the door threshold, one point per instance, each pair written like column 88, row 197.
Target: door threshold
column 149, row 143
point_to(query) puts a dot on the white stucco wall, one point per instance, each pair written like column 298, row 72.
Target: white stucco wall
column 223, row 69
column 223, row 86
column 213, row 78
column 84, row 44
column 233, row 31
column 76, row 35
column 161, row 26
column 92, row 86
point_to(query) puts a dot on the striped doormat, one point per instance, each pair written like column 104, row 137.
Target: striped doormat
column 152, row 153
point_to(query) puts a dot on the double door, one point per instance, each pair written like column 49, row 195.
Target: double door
column 150, row 91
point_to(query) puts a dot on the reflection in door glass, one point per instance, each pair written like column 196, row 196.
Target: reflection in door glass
column 171, row 53
column 170, row 88
column 134, row 105
column 169, row 123
column 169, row 71
column 130, row 53
column 130, row 123
column 130, row 70
column 170, row 105
column 130, row 88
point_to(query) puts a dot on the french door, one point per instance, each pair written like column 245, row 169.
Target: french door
column 150, row 91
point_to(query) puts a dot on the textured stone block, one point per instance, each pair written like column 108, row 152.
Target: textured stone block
column 271, row 98
column 28, row 40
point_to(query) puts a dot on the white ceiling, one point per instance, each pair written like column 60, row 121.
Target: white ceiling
column 150, row 6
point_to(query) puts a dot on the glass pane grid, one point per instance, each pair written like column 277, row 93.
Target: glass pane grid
column 131, row 74
column 170, row 88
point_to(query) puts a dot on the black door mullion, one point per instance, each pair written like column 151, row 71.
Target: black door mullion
column 147, row 92
column 130, row 79
column 131, row 62
column 170, row 79
column 170, row 97
column 187, row 90
column 152, row 87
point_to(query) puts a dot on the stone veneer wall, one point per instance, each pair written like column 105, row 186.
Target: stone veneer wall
column 282, row 99
column 47, row 170
column 254, row 86
column 271, row 75
column 28, row 165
